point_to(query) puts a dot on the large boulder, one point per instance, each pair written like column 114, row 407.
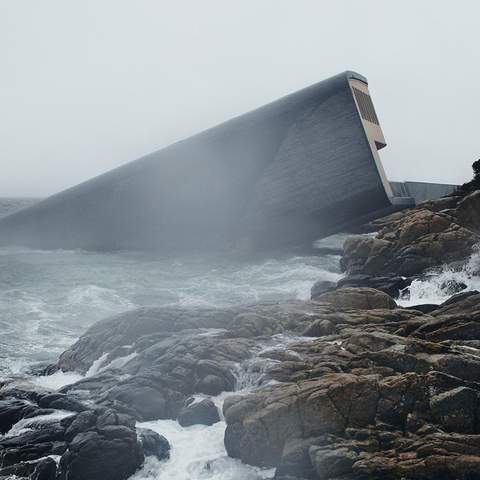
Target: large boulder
column 106, row 448
column 258, row 426
column 114, row 454
column 418, row 240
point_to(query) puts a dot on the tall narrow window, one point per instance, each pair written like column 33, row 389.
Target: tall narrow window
column 365, row 105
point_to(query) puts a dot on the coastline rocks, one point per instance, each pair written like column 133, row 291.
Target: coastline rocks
column 157, row 374
column 61, row 401
column 391, row 394
column 203, row 412
column 104, row 447
column 391, row 285
column 417, row 240
column 160, row 376
column 357, row 298
column 112, row 456
column 259, row 425
column 44, row 469
column 95, row 444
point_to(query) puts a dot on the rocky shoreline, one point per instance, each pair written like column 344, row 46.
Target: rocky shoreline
column 348, row 385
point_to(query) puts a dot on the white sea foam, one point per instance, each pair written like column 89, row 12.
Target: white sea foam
column 434, row 287
column 56, row 380
column 198, row 452
column 97, row 365
column 26, row 424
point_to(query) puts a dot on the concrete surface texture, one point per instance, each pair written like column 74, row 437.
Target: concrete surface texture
column 289, row 172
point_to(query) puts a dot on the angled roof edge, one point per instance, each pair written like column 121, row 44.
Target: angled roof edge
column 356, row 76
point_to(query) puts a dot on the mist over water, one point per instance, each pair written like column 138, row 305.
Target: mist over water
column 49, row 298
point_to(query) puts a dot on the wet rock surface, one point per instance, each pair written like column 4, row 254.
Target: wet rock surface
column 377, row 391
column 409, row 242
column 94, row 444
column 393, row 394
column 350, row 385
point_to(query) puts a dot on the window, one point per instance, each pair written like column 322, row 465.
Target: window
column 366, row 106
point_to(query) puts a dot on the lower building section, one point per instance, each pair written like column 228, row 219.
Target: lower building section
column 422, row 191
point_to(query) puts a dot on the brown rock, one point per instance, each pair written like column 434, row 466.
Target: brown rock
column 468, row 211
column 419, row 239
column 357, row 298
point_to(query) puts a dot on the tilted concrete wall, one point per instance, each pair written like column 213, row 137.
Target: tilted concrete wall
column 288, row 172
column 421, row 191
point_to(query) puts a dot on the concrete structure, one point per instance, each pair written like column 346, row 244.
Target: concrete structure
column 285, row 174
column 421, row 191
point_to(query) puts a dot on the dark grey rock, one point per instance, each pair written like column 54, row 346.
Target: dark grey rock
column 204, row 412
column 12, row 410
column 61, row 401
column 154, row 444
column 45, row 469
column 92, row 456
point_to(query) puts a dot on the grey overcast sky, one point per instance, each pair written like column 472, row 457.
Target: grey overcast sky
column 88, row 85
